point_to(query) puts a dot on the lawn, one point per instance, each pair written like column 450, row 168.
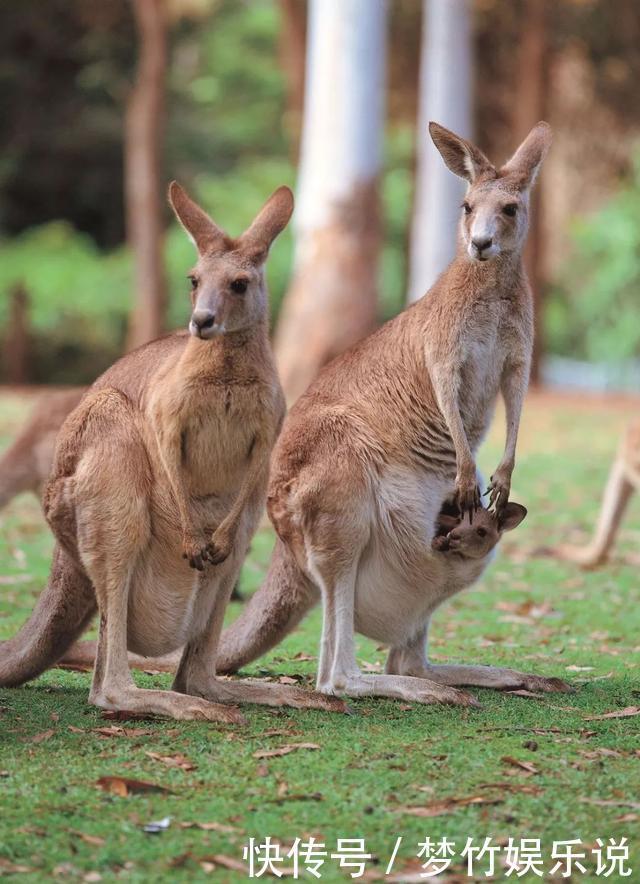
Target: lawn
column 537, row 767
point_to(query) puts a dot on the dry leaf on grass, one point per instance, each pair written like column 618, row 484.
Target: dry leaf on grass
column 525, row 766
column 125, row 786
column 9, row 868
column 627, row 712
column 524, row 693
column 41, row 738
column 286, row 679
column 94, row 840
column 304, row 657
column 284, row 750
column 211, row 827
column 177, row 760
column 524, row 788
column 448, row 805
column 115, row 730
column 227, row 862
column 627, row 818
column 604, row 802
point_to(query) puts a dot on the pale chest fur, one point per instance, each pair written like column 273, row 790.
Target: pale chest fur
column 494, row 336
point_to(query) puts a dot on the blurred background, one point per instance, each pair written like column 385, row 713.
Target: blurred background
column 104, row 103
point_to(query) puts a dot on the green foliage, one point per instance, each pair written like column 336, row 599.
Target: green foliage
column 594, row 312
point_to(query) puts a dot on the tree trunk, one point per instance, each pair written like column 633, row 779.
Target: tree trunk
column 16, row 345
column 445, row 96
column 144, row 126
column 332, row 299
column 293, row 47
column 530, row 107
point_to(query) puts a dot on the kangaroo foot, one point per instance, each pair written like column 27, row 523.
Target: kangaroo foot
column 167, row 703
column 397, row 687
column 264, row 693
column 493, row 677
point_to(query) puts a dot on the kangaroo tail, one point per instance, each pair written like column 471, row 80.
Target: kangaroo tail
column 284, row 598
column 61, row 614
column 82, row 655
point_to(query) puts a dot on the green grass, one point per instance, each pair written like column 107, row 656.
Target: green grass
column 531, row 613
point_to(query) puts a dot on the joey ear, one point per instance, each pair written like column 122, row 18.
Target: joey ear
column 271, row 220
column 447, row 521
column 512, row 515
column 462, row 157
column 202, row 231
column 524, row 165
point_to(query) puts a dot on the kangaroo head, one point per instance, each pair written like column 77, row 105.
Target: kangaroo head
column 228, row 291
column 495, row 211
column 475, row 540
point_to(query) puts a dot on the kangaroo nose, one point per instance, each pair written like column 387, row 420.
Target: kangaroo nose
column 482, row 242
column 201, row 322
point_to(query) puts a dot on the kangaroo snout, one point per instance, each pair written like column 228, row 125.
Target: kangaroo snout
column 203, row 324
column 481, row 246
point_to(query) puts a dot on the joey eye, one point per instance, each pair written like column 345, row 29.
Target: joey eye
column 193, row 281
column 510, row 209
column 481, row 532
column 466, row 207
column 239, row 286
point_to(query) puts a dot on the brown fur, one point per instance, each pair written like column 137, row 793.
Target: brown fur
column 166, row 459
column 368, row 454
column 26, row 464
column 624, row 479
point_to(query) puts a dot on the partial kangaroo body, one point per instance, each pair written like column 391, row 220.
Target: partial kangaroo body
column 26, row 464
column 369, row 453
column 624, row 479
column 158, row 484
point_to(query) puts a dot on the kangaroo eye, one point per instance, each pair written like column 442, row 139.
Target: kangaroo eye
column 466, row 207
column 239, row 286
column 510, row 209
column 194, row 282
column 482, row 532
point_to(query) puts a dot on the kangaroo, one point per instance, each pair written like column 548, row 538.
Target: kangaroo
column 158, row 482
column 624, row 479
column 26, row 464
column 379, row 440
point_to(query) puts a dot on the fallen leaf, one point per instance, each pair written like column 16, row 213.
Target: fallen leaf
column 627, row 712
column 124, row 786
column 177, row 760
column 525, row 788
column 41, row 738
column 115, row 730
column 210, row 827
column 284, row 750
column 304, row 657
column 95, row 840
column 286, row 679
column 526, row 766
column 9, row 868
column 601, row 802
column 76, row 730
column 627, row 818
column 448, row 805
column 229, row 862
column 524, row 693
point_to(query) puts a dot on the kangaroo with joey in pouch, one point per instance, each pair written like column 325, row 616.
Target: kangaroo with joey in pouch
column 380, row 439
column 158, row 484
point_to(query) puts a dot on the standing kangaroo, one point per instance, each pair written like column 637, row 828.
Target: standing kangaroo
column 368, row 454
column 624, row 479
column 166, row 459
column 26, row 464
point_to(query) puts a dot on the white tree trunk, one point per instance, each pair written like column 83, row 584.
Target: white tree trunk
column 332, row 299
column 445, row 96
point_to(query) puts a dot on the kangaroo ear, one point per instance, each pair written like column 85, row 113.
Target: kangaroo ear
column 271, row 220
column 524, row 165
column 461, row 156
column 201, row 230
column 511, row 516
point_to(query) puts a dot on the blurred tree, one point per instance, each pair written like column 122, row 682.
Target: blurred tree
column 16, row 345
column 445, row 96
column 529, row 106
column 143, row 138
column 293, row 48
column 332, row 300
